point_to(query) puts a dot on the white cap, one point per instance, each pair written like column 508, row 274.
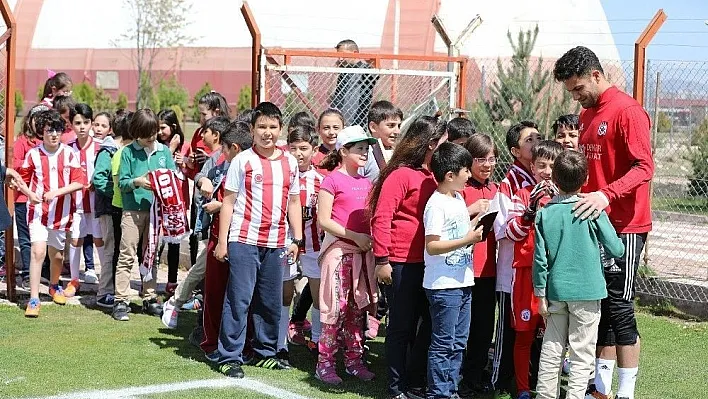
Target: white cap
column 352, row 134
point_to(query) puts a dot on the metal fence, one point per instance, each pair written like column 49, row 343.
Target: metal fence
column 675, row 262
column 419, row 86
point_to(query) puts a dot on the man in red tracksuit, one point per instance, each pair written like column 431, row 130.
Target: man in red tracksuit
column 614, row 135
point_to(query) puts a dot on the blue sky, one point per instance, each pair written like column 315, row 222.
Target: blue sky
column 684, row 35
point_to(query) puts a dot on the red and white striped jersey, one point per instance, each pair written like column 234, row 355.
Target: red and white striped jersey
column 85, row 199
column 516, row 178
column 262, row 188
column 44, row 172
column 310, row 181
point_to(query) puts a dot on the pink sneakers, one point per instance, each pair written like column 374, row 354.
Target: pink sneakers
column 327, row 373
column 359, row 370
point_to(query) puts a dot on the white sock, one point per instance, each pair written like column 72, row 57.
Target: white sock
column 627, row 379
column 603, row 375
column 316, row 325
column 75, row 261
column 283, row 330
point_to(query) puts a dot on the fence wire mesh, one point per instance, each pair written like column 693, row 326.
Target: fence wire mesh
column 677, row 100
column 313, row 84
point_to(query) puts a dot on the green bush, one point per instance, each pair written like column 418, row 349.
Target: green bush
column 84, row 93
column 244, row 98
column 170, row 92
column 698, row 182
column 663, row 123
column 147, row 97
column 19, row 102
column 122, row 102
column 206, row 88
column 104, row 102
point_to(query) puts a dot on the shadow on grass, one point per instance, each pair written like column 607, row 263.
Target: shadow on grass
column 180, row 343
column 301, row 359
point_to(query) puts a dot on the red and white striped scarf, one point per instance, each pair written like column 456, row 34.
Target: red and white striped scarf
column 168, row 215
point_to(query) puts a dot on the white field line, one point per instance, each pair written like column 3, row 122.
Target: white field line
column 136, row 392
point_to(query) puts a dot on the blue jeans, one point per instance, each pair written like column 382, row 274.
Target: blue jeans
column 88, row 252
column 450, row 313
column 255, row 284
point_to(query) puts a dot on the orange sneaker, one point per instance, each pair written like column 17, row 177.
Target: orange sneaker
column 32, row 309
column 57, row 294
column 72, row 288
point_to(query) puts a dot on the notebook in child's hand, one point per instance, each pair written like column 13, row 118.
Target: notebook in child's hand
column 487, row 221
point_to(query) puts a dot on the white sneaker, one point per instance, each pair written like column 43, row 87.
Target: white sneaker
column 169, row 314
column 90, row 277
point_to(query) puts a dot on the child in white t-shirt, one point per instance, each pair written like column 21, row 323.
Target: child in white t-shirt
column 449, row 275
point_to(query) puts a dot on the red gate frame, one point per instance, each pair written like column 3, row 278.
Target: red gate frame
column 9, row 38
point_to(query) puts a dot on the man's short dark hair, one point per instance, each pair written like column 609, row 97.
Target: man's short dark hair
column 449, row 157
column 514, row 133
column 546, row 149
column 578, row 61
column 383, row 110
column 239, row 133
column 269, row 110
column 348, row 44
column 304, row 133
column 569, row 121
column 570, row 171
column 460, row 128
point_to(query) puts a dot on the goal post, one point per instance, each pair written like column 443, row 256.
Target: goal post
column 312, row 81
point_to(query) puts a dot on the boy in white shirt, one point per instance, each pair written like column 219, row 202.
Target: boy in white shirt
column 449, row 276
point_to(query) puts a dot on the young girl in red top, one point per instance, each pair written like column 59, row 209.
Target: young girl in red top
column 478, row 193
column 329, row 124
column 396, row 203
column 347, row 285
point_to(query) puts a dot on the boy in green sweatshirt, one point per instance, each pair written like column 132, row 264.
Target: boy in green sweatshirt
column 568, row 279
column 137, row 159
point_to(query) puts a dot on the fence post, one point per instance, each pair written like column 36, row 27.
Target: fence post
column 10, row 50
column 255, row 53
column 640, row 49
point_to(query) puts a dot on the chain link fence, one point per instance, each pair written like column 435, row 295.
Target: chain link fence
column 675, row 262
column 313, row 84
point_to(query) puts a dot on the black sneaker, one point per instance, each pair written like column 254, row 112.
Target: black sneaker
column 271, row 363
column 107, row 301
column 399, row 396
column 621, row 397
column 153, row 307
column 120, row 311
column 416, row 393
column 232, row 370
column 283, row 356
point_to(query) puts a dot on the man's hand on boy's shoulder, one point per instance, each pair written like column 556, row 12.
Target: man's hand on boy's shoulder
column 590, row 205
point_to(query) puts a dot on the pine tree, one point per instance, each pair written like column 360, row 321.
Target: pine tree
column 523, row 90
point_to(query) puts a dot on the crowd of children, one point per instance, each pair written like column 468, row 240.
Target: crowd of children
column 367, row 219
